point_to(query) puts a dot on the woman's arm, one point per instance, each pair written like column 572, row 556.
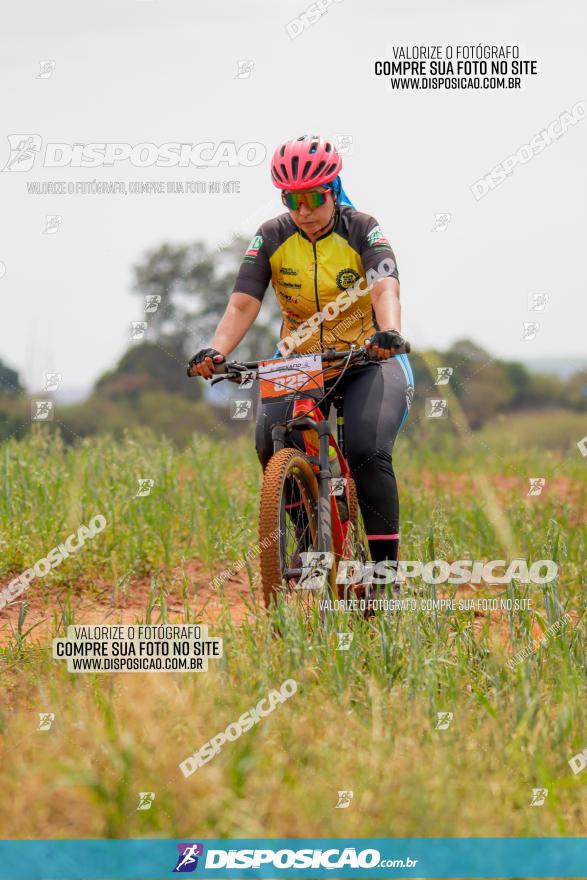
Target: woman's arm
column 386, row 305
column 239, row 315
column 385, row 300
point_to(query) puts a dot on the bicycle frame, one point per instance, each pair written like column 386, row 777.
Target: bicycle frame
column 333, row 534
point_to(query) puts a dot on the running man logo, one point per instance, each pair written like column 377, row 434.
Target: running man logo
column 530, row 330
column 23, row 151
column 539, row 795
column 443, row 720
column 138, row 329
column 443, row 375
column 344, row 641
column 146, row 799
column 145, row 487
column 344, row 800
column 245, row 68
column 441, row 222
column 537, row 302
column 52, row 223
column 152, row 302
column 42, row 410
column 187, row 860
column 52, row 381
column 315, row 570
column 46, row 719
column 436, row 408
column 241, row 409
column 578, row 762
column 46, row 68
column 536, row 485
column 344, row 143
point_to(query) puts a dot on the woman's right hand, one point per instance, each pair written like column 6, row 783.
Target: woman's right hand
column 202, row 363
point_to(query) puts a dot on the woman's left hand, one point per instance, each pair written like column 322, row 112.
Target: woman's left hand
column 384, row 342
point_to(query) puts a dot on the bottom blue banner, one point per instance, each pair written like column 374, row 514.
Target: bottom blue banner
column 303, row 858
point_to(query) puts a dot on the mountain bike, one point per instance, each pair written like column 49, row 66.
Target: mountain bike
column 309, row 517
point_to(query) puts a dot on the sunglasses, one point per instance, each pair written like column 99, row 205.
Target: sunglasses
column 311, row 200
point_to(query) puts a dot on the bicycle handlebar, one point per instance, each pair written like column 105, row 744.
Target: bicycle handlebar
column 328, row 356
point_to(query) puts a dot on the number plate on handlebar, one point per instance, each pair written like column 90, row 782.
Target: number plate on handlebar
column 284, row 378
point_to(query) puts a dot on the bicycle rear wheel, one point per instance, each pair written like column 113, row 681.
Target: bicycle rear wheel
column 288, row 525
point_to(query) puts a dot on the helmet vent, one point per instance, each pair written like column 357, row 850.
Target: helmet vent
column 318, row 170
column 294, row 165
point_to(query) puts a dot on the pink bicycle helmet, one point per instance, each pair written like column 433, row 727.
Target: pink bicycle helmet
column 305, row 162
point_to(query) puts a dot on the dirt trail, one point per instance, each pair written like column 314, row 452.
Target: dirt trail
column 97, row 603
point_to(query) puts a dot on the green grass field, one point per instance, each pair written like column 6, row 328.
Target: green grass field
column 362, row 720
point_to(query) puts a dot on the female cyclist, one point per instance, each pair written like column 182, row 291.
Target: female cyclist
column 319, row 248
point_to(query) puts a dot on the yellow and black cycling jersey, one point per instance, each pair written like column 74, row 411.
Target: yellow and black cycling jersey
column 308, row 276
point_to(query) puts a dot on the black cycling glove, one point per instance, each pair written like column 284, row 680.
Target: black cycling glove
column 387, row 339
column 202, row 355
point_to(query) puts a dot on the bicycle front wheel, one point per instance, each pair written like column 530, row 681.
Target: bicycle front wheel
column 288, row 524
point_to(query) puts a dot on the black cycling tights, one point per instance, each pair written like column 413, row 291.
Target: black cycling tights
column 375, row 403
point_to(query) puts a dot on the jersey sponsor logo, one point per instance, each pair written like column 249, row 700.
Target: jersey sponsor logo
column 253, row 248
column 346, row 278
column 287, row 270
column 376, row 238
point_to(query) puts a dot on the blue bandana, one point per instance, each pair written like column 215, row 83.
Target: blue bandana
column 337, row 188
